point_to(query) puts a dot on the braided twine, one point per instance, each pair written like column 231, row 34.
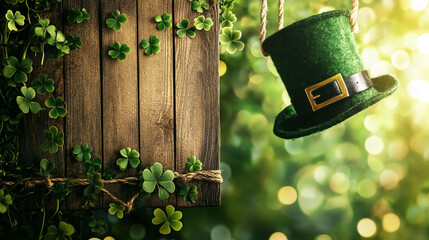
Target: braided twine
column 207, row 175
column 354, row 7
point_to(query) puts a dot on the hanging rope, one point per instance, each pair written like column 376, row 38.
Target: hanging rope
column 354, row 7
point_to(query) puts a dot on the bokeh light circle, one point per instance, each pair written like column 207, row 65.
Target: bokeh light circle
column 137, row 231
column 222, row 68
column 419, row 5
column 339, row 183
column 374, row 145
column 400, row 60
column 323, row 237
column 367, row 188
column 389, row 179
column 287, row 195
column 423, row 43
column 366, row 227
column 391, row 222
column 220, row 232
column 278, row 236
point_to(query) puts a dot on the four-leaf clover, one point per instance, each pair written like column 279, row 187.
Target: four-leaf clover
column 119, row 51
column 200, row 6
column 193, row 164
column 55, row 140
column 128, row 156
column 14, row 19
column 231, row 38
column 164, row 21
column 156, row 177
column 118, row 209
column 44, row 85
column 188, row 193
column 116, row 21
column 63, row 232
column 172, row 219
column 151, row 46
column 57, row 107
column 203, row 23
column 229, row 19
column 18, row 69
column 25, row 103
column 5, row 201
column 184, row 30
column 82, row 152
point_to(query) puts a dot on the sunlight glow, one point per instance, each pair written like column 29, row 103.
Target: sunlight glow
column 374, row 145
column 391, row 222
column 287, row 195
column 366, row 227
column 400, row 60
column 278, row 236
column 419, row 5
column 423, row 43
column 418, row 89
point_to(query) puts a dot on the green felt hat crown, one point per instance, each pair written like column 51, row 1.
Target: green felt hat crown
column 319, row 63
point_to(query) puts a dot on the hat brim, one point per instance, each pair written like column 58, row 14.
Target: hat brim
column 289, row 125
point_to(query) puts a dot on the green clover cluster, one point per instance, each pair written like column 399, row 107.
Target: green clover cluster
column 43, row 85
column 14, row 19
column 17, row 70
column 164, row 21
column 63, row 232
column 94, row 187
column 57, row 105
column 119, row 51
column 46, row 167
column 155, row 177
column 188, row 193
column 231, row 39
column 184, row 29
column 97, row 225
column 93, row 166
column 77, row 15
column 117, row 209
column 171, row 219
column 5, row 201
column 152, row 46
column 200, row 6
column 193, row 164
column 82, row 153
column 128, row 157
column 203, row 23
column 25, row 103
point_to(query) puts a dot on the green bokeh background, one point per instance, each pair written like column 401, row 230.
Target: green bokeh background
column 373, row 164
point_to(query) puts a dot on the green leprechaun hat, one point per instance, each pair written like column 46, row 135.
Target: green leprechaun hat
column 319, row 63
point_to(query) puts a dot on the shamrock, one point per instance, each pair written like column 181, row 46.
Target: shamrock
column 156, row 177
column 57, row 107
column 93, row 166
column 231, row 39
column 44, row 85
column 193, row 165
column 44, row 28
column 202, row 22
column 119, row 51
column 14, row 68
column 188, row 193
column 25, row 103
column 14, row 2
column 171, row 219
column 13, row 19
column 61, row 190
column 108, row 174
column 74, row 42
column 128, row 156
column 184, row 30
column 94, row 187
column 229, row 19
column 46, row 167
column 116, row 21
column 82, row 152
column 5, row 201
column 59, row 45
column 63, row 232
column 77, row 15
column 97, row 225
column 151, row 46
column 164, row 21
column 118, row 209
column 200, row 5
column 55, row 140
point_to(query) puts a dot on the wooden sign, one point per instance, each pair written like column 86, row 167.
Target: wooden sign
column 166, row 106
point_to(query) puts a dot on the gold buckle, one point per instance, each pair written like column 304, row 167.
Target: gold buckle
column 309, row 91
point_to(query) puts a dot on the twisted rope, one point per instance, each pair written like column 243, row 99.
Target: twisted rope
column 353, row 15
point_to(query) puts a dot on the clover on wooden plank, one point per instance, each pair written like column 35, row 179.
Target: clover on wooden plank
column 108, row 174
column 188, row 193
column 93, row 166
column 229, row 19
column 74, row 42
column 14, row 19
column 63, row 232
column 164, row 21
column 200, row 6
column 130, row 157
column 171, row 219
column 82, row 153
column 193, row 164
column 43, row 85
column 184, row 30
column 203, row 23
column 119, row 51
column 117, row 209
column 57, row 107
column 44, row 28
column 54, row 139
column 77, row 15
column 16, row 69
column 25, row 103
column 152, row 46
column 94, row 187
column 57, row 45
column 116, row 21
column 155, row 177
column 46, row 167
column 231, row 38
column 5, row 201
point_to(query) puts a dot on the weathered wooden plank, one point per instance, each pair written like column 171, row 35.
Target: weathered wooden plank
column 83, row 94
column 34, row 125
column 197, row 100
column 119, row 91
column 156, row 84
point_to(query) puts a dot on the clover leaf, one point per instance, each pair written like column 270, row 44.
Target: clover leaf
column 128, row 156
column 74, row 42
column 93, row 166
column 200, row 6
column 118, row 209
column 94, row 187
column 44, row 85
column 58, row 45
column 82, row 153
column 5, row 201
column 193, row 164
column 119, row 51
column 46, row 167
column 55, row 140
column 44, row 28
column 203, row 23
column 184, row 30
column 61, row 190
column 25, row 103
column 108, row 174
column 63, row 232
column 164, row 21
column 172, row 219
column 116, row 21
column 151, row 46
column 14, row 2
column 17, row 69
column 57, row 107
column 14, row 19
column 97, row 225
column 188, row 193
column 156, row 177
column 231, row 39
column 77, row 15
column 229, row 19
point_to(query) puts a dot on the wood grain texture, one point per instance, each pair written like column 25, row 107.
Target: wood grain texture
column 156, row 84
column 197, row 100
column 83, row 94
column 119, row 92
